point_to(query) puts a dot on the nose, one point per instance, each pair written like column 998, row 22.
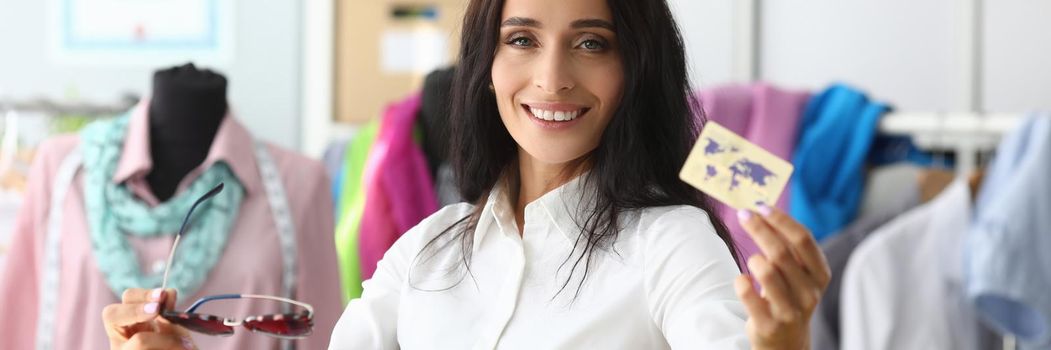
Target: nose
column 553, row 73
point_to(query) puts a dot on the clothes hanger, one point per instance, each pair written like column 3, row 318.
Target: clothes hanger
column 975, row 178
column 934, row 179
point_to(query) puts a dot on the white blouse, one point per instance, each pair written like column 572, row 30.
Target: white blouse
column 667, row 284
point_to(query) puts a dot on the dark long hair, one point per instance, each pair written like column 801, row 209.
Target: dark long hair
column 635, row 165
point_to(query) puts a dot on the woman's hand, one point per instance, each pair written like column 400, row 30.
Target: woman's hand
column 793, row 274
column 133, row 324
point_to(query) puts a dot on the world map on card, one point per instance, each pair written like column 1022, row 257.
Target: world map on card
column 735, row 171
column 741, row 168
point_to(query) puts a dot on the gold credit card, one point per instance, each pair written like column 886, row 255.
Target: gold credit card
column 735, row 171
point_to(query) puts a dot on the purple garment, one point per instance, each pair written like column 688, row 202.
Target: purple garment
column 399, row 192
column 765, row 115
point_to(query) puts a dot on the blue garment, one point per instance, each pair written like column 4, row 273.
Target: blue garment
column 835, row 136
column 337, row 189
column 1008, row 268
column 333, row 160
column 891, row 149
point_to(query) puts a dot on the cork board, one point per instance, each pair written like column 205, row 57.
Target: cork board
column 383, row 49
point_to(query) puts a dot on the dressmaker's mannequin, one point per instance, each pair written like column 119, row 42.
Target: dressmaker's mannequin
column 186, row 108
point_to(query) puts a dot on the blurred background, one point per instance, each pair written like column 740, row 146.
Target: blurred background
column 295, row 65
column 955, row 76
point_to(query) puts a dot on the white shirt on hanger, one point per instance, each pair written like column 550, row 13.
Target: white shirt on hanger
column 668, row 283
column 903, row 285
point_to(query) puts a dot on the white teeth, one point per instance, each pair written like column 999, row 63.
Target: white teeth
column 554, row 115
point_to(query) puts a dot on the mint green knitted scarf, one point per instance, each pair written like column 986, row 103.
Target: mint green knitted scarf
column 114, row 214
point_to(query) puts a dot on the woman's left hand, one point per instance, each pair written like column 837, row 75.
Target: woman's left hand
column 793, row 274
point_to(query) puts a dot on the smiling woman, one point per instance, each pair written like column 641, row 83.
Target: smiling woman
column 557, row 82
column 570, row 120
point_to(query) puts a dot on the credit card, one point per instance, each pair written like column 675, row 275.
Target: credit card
column 734, row 171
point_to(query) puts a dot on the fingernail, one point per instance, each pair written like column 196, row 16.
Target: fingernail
column 156, row 294
column 187, row 343
column 744, row 214
column 764, row 210
column 150, row 308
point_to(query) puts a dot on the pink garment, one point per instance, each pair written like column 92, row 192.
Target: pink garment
column 251, row 262
column 765, row 115
column 398, row 188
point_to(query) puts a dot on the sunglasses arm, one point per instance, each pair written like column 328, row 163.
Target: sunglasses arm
column 199, row 302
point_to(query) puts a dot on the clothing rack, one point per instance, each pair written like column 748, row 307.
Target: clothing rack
column 968, row 134
column 13, row 125
column 53, row 108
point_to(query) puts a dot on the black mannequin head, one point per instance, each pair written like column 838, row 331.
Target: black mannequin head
column 187, row 96
column 186, row 108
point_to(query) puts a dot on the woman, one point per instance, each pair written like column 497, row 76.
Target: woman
column 570, row 121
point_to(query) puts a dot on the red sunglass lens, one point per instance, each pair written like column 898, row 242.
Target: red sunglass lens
column 288, row 325
column 200, row 323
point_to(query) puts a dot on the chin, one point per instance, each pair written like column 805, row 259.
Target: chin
column 555, row 154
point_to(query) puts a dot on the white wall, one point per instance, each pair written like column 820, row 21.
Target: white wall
column 1017, row 59
column 915, row 55
column 707, row 28
column 897, row 50
column 264, row 75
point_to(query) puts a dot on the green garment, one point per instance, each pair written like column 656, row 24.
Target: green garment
column 352, row 203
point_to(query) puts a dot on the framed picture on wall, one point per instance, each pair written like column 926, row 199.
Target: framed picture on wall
column 138, row 32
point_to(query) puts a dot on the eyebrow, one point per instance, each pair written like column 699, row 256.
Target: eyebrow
column 520, row 22
column 578, row 24
column 592, row 23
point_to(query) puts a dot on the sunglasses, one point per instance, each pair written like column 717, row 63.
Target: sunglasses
column 287, row 325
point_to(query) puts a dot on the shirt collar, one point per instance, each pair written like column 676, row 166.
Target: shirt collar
column 564, row 208
column 233, row 144
column 955, row 203
column 950, row 215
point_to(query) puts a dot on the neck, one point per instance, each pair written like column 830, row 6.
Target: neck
column 536, row 178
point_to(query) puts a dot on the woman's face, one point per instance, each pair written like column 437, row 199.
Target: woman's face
column 557, row 76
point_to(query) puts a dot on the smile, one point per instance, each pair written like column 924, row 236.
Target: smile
column 555, row 113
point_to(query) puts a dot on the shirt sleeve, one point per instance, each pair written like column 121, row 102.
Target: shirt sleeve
column 371, row 321
column 688, row 279
column 318, row 271
column 20, row 278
